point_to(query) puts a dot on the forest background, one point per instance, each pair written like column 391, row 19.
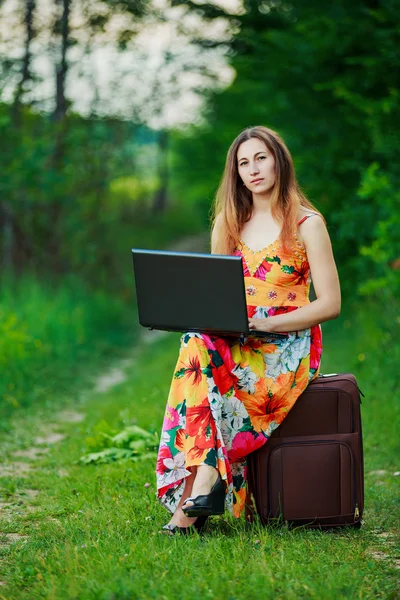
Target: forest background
column 115, row 120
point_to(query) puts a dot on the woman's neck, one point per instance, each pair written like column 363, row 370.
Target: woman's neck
column 261, row 204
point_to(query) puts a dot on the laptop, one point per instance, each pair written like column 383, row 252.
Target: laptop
column 188, row 291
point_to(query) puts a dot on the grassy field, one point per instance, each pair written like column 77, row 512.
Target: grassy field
column 74, row 531
column 52, row 337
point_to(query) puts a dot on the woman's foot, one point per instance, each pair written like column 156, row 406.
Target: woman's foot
column 208, row 494
column 173, row 528
column 206, row 476
column 179, row 519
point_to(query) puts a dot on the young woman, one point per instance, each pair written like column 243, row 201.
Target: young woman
column 227, row 397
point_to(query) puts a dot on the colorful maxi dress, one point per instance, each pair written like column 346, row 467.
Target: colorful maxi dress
column 228, row 396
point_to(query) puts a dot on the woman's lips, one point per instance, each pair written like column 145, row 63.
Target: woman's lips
column 257, row 180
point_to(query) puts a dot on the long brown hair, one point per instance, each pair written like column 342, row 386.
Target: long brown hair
column 234, row 202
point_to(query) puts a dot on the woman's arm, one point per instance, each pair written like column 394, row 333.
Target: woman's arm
column 216, row 232
column 326, row 285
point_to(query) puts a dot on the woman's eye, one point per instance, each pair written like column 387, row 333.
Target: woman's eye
column 262, row 157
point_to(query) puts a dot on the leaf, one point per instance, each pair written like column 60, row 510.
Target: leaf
column 146, row 456
column 273, row 259
column 288, row 269
column 131, row 433
column 106, row 456
column 179, row 373
column 247, row 426
column 207, row 371
column 216, row 358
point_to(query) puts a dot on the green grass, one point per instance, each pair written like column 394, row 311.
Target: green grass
column 52, row 337
column 93, row 529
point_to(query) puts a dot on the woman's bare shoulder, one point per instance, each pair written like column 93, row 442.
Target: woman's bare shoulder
column 306, row 212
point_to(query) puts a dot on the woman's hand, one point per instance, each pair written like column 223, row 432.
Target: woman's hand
column 261, row 324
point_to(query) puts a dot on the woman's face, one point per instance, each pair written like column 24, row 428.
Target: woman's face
column 256, row 166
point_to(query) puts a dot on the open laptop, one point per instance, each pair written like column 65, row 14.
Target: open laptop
column 187, row 291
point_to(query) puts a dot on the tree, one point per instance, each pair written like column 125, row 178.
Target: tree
column 324, row 76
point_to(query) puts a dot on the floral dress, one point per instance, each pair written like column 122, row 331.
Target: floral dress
column 227, row 396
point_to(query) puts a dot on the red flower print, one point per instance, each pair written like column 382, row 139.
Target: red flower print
column 206, row 438
column 198, row 418
column 291, row 296
column 223, row 349
column 245, row 442
column 163, row 490
column 223, row 379
column 163, row 453
column 251, row 311
column 262, row 270
column 196, row 456
column 272, row 295
column 315, row 347
column 171, row 418
column 180, row 439
column 194, row 369
column 302, row 271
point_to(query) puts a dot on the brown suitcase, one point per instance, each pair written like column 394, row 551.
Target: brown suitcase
column 310, row 472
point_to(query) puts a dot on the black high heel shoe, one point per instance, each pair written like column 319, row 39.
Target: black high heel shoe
column 209, row 504
column 198, row 526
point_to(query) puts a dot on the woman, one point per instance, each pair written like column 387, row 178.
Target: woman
column 227, row 397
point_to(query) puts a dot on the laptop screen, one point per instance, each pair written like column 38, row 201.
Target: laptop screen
column 185, row 291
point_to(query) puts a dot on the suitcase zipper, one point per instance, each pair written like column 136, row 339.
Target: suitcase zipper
column 326, row 375
column 355, row 502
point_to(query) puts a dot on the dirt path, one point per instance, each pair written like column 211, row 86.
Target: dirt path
column 22, row 463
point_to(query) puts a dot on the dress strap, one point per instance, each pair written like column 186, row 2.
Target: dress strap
column 304, row 218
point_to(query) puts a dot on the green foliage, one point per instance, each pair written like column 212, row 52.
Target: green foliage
column 50, row 335
column 128, row 191
column 383, row 253
column 325, row 77
column 133, row 443
column 79, row 198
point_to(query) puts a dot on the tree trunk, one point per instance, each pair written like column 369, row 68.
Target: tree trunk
column 9, row 231
column 7, row 235
column 30, row 6
column 62, row 27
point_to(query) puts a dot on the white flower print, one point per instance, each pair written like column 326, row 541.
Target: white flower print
column 273, row 364
column 182, row 420
column 220, row 454
column 236, row 412
column 189, row 334
column 247, row 379
column 177, row 468
column 164, row 441
column 300, row 346
column 271, row 427
column 288, row 355
column 226, row 433
column 214, row 397
column 261, row 312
